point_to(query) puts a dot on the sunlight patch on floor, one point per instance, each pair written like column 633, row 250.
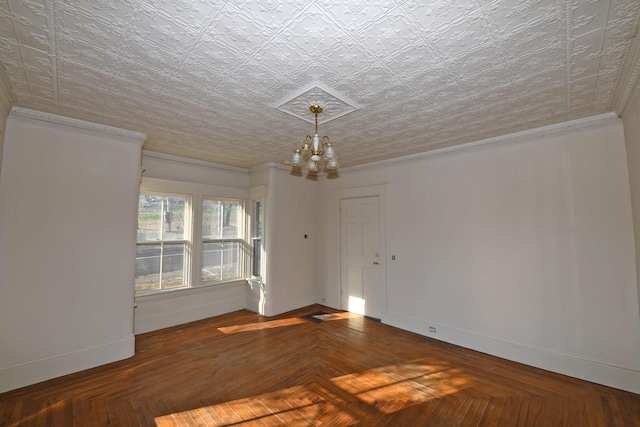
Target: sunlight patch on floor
column 261, row 325
column 404, row 385
column 407, row 381
column 249, row 327
column 277, row 408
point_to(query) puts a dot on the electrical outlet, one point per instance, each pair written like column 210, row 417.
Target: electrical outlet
column 432, row 329
column 323, row 300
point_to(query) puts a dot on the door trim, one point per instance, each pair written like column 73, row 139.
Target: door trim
column 356, row 193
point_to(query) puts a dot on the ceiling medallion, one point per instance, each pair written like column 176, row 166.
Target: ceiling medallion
column 315, row 153
column 335, row 104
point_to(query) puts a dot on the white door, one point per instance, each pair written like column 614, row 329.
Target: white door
column 362, row 268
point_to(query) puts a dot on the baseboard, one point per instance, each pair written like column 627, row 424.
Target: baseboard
column 48, row 368
column 186, row 315
column 253, row 304
column 279, row 307
column 573, row 365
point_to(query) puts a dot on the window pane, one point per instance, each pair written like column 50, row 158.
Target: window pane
column 211, row 216
column 257, row 256
column 258, row 220
column 173, row 257
column 231, row 216
column 174, row 217
column 149, row 217
column 220, row 219
column 161, row 217
column 257, row 240
column 220, row 261
column 148, row 267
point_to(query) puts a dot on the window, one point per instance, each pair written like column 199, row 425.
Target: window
column 163, row 242
column 256, row 240
column 222, row 234
column 192, row 235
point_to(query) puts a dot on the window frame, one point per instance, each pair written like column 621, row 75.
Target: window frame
column 188, row 243
column 241, row 240
column 257, row 195
column 257, row 235
column 198, row 192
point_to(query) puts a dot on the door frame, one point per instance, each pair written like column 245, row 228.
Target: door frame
column 357, row 193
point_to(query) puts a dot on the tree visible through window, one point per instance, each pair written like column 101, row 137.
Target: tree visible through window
column 222, row 231
column 162, row 242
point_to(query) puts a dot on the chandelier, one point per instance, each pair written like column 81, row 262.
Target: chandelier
column 314, row 153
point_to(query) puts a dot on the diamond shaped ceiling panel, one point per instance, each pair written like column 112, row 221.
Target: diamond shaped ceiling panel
column 219, row 80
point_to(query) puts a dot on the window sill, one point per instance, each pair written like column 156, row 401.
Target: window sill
column 175, row 293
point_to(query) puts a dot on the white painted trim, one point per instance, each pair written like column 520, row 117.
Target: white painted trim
column 378, row 191
column 356, row 192
column 194, row 290
column 186, row 315
column 565, row 363
column 273, row 309
column 183, row 187
column 258, row 192
column 55, row 120
column 45, row 369
column 263, row 166
column 545, row 132
column 499, row 141
column 189, row 161
column 255, row 297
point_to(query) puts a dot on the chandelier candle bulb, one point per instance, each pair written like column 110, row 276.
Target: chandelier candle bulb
column 296, row 159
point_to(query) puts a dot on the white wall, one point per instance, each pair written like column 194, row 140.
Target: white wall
column 290, row 258
column 524, row 251
column 631, row 120
column 197, row 179
column 68, row 201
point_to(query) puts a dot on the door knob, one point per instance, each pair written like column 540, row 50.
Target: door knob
column 375, row 263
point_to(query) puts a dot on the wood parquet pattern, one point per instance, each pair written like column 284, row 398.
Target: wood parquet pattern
column 242, row 369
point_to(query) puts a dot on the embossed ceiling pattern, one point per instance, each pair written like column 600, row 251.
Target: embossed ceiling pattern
column 203, row 78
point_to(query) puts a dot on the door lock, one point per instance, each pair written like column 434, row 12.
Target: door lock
column 375, row 263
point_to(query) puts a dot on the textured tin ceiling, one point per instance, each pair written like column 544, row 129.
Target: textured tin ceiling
column 230, row 82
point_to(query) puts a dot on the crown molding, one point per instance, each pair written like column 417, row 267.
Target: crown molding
column 125, row 135
column 504, row 140
column 510, row 139
column 186, row 160
column 263, row 166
